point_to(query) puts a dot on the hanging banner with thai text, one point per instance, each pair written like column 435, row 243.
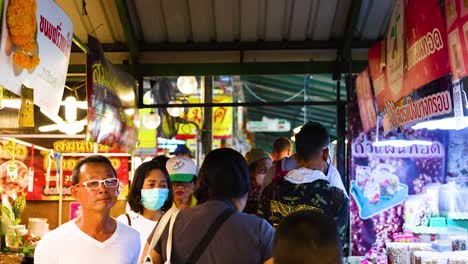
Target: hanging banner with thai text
column 456, row 13
column 222, row 119
column 45, row 181
column 36, row 40
column 434, row 100
column 415, row 53
column 111, row 102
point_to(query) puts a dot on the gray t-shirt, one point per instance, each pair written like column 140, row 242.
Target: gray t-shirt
column 242, row 238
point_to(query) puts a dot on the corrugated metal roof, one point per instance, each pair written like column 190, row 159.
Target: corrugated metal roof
column 222, row 21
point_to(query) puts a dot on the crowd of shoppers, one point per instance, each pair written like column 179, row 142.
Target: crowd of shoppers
column 226, row 212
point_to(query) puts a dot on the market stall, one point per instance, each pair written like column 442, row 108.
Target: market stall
column 408, row 165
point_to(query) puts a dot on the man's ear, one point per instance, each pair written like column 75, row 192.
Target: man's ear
column 289, row 152
column 74, row 192
column 326, row 153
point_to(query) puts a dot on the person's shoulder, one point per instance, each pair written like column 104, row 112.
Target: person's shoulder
column 252, row 220
column 62, row 232
column 122, row 218
column 126, row 230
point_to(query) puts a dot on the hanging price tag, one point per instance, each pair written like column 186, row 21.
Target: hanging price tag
column 12, row 170
column 31, row 171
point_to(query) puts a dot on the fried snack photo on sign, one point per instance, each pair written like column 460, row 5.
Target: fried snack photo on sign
column 9, row 185
column 22, row 26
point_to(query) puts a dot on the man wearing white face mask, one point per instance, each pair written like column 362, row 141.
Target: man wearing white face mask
column 150, row 195
column 259, row 162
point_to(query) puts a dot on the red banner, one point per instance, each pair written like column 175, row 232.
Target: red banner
column 456, row 12
column 426, row 40
column 415, row 51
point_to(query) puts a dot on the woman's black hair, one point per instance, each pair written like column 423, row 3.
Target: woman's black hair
column 134, row 194
column 223, row 175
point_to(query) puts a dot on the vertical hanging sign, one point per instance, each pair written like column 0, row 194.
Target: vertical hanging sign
column 36, row 40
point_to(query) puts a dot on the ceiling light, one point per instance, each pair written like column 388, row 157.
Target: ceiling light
column 10, row 103
column 297, row 129
column 70, row 108
column 175, row 111
column 151, row 120
column 148, row 98
column 187, row 84
column 129, row 111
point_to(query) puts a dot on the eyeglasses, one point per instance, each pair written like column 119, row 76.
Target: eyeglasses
column 95, row 184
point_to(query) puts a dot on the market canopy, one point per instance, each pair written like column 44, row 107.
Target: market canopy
column 232, row 33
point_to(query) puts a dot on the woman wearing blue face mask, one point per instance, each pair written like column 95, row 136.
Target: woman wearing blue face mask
column 150, row 195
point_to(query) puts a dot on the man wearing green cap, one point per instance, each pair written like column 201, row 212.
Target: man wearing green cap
column 183, row 173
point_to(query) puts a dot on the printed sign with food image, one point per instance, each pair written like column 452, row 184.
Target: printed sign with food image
column 22, row 33
column 377, row 189
column 13, row 176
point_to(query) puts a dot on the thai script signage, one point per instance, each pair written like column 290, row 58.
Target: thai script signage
column 111, row 102
column 222, row 119
column 415, row 51
column 362, row 147
column 36, row 52
column 427, row 107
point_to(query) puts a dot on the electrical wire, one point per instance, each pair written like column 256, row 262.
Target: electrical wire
column 263, row 100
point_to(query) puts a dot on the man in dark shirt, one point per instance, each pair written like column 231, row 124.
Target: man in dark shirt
column 306, row 187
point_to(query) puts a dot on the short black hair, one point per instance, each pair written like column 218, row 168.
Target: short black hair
column 306, row 236
column 161, row 158
column 134, row 194
column 223, row 175
column 281, row 144
column 312, row 138
column 90, row 159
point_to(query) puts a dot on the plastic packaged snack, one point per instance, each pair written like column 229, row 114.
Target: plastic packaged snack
column 417, row 210
column 413, row 247
column 397, row 253
column 427, row 257
column 452, row 199
column 458, row 257
column 458, row 243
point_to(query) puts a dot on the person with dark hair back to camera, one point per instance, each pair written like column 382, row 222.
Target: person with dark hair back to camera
column 282, row 148
column 149, row 197
column 307, row 237
column 222, row 190
column 93, row 237
column 306, row 187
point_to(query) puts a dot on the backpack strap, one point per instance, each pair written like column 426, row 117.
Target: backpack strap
column 200, row 248
column 129, row 220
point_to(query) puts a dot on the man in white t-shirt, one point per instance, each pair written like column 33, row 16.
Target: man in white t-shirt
column 93, row 237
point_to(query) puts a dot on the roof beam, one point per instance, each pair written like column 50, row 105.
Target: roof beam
column 353, row 17
column 236, row 46
column 229, row 68
column 244, row 46
column 80, row 44
column 128, row 29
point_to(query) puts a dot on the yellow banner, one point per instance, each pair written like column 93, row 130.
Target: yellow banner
column 222, row 119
